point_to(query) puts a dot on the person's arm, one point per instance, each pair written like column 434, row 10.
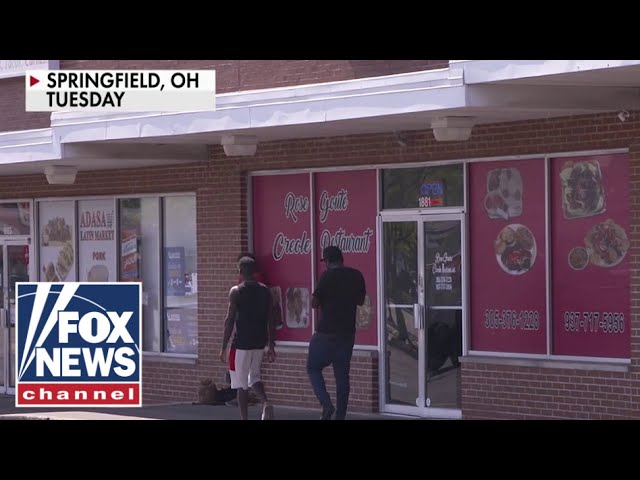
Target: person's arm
column 229, row 322
column 319, row 292
column 362, row 290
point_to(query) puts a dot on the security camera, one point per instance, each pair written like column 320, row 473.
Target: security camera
column 623, row 115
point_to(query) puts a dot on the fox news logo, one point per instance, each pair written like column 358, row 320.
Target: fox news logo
column 78, row 344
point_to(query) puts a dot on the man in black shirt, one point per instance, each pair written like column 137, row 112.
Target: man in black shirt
column 250, row 311
column 339, row 292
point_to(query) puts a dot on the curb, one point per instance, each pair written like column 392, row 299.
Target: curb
column 23, row 417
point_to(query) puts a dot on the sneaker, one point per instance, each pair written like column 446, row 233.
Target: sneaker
column 327, row 413
column 267, row 412
column 232, row 403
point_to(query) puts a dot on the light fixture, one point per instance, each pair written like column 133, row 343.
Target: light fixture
column 61, row 174
column 239, row 145
column 452, row 129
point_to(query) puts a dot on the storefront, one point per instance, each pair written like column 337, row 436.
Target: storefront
column 149, row 238
column 518, row 257
column 547, row 310
column 15, row 243
column 492, row 207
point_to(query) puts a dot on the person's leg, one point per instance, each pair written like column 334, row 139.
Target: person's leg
column 243, row 403
column 318, row 358
column 240, row 380
column 341, row 369
column 255, row 382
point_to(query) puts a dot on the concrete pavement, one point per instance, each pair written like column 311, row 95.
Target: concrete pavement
column 175, row 411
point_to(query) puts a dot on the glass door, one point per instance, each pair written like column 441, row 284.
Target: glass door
column 14, row 258
column 422, row 307
column 443, row 304
column 403, row 355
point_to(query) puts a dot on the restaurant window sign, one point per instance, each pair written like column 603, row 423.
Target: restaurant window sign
column 590, row 244
column 507, row 263
column 345, row 205
column 282, row 246
column 588, row 239
column 344, row 208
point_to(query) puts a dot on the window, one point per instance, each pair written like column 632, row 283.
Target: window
column 342, row 206
column 180, row 274
column 78, row 239
column 578, row 222
column 97, row 257
column 15, row 218
column 139, row 262
column 590, row 245
column 423, row 187
column 57, row 237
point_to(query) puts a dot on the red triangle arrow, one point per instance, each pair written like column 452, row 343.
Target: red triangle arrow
column 33, row 80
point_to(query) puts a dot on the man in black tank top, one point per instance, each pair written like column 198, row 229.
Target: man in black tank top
column 251, row 314
column 339, row 292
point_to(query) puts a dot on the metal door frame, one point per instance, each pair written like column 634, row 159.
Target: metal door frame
column 420, row 309
column 9, row 360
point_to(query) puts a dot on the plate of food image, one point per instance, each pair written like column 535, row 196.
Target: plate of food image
column 607, row 243
column 503, row 199
column 363, row 316
column 579, row 258
column 515, row 249
column 297, row 307
column 582, row 189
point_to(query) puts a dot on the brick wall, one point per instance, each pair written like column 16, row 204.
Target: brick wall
column 492, row 391
column 507, row 392
column 12, row 103
column 232, row 75
column 489, row 391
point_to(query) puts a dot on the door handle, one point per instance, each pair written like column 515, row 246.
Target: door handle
column 423, row 317
column 3, row 317
column 418, row 316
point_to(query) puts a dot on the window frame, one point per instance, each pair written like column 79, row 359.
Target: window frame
column 147, row 354
column 467, row 351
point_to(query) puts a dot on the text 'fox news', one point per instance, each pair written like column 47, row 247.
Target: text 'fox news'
column 78, row 344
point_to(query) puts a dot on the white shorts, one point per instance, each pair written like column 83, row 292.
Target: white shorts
column 244, row 367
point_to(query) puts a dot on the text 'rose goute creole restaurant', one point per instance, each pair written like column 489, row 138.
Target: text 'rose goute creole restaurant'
column 491, row 205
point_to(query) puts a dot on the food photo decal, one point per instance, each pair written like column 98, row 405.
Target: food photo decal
column 582, row 189
column 515, row 249
column 606, row 245
column 503, row 199
column 583, row 195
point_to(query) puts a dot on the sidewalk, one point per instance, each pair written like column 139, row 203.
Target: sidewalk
column 174, row 411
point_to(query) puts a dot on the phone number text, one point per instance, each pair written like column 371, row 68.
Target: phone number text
column 512, row 319
column 593, row 322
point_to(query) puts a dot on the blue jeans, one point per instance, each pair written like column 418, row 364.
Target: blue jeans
column 325, row 350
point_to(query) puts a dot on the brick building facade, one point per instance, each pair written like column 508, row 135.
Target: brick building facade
column 517, row 385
